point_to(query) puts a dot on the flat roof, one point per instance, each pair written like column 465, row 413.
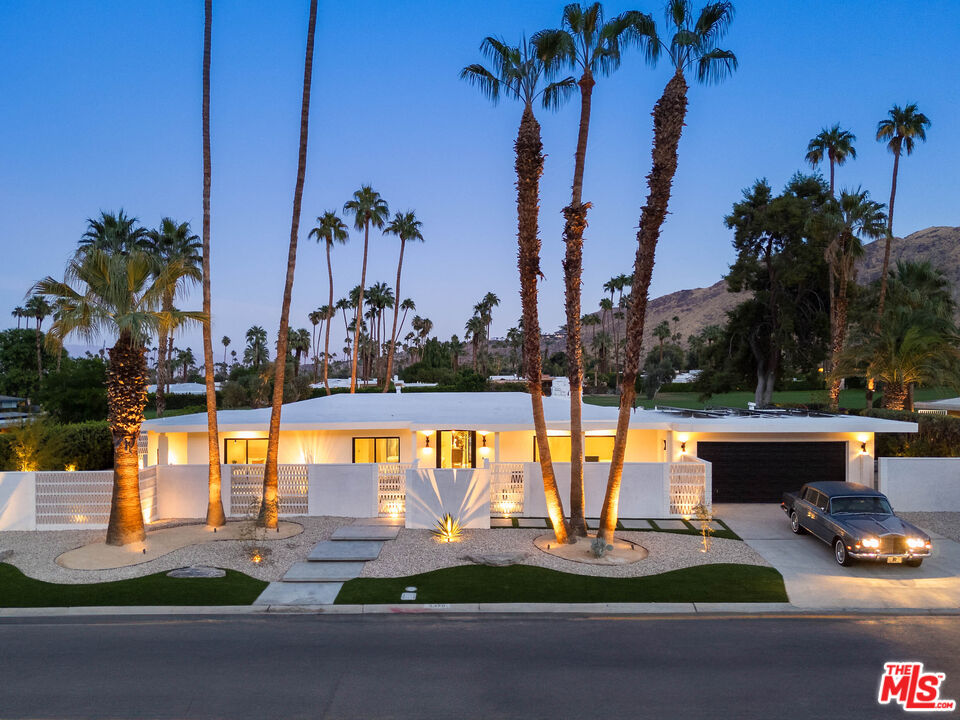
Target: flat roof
column 501, row 411
column 945, row 404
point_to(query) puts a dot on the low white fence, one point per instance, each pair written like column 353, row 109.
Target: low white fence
column 920, row 484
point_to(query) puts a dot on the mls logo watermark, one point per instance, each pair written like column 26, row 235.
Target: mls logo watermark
column 915, row 690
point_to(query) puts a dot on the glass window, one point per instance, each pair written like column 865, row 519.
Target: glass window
column 810, row 495
column 257, row 451
column 382, row 449
column 596, row 448
column 457, row 449
column 245, row 452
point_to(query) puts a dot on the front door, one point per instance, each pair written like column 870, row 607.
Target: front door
column 456, row 449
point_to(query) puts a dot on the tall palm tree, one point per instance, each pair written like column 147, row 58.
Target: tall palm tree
column 215, row 515
column 591, row 47
column 902, row 127
column 490, row 301
column 852, row 217
column 38, row 308
column 406, row 306
column 329, row 229
column 475, row 329
column 299, row 341
column 172, row 241
column 693, row 44
column 114, row 232
column 367, row 208
column 517, row 73
column 456, row 348
column 834, row 143
column 120, row 294
column 225, row 341
column 19, row 313
column 256, row 353
column 269, row 506
column 406, row 227
column 316, row 317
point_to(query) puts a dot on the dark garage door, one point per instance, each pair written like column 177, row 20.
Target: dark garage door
column 746, row 472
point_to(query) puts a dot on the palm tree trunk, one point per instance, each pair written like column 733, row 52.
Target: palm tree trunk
column 894, row 396
column 668, row 117
column 326, row 342
column 163, row 348
column 215, row 514
column 39, row 353
column 529, row 166
column 889, row 238
column 126, row 398
column 396, row 312
column 575, row 215
column 269, row 506
column 356, row 332
column 839, row 337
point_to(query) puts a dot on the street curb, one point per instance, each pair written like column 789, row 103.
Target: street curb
column 620, row 609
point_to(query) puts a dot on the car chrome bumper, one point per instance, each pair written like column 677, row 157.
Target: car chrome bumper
column 862, row 555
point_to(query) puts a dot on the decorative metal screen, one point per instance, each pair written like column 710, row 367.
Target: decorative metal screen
column 506, row 489
column 688, row 481
column 392, row 488
column 74, row 498
column 142, row 445
column 246, row 489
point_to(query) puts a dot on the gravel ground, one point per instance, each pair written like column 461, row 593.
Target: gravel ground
column 942, row 523
column 34, row 552
column 416, row 551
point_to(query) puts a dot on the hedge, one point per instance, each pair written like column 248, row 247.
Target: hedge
column 938, row 436
column 86, row 445
column 178, row 401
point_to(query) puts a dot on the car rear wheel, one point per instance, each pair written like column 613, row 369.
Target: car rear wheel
column 914, row 562
column 795, row 525
column 840, row 553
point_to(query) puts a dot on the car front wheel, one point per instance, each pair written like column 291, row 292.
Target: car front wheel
column 795, row 524
column 840, row 553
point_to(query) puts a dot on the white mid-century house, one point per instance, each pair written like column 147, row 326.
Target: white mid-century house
column 361, row 455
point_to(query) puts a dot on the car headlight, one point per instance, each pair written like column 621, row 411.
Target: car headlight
column 916, row 543
column 870, row 542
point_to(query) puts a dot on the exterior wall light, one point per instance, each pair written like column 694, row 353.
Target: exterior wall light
column 683, row 442
column 863, row 443
column 427, row 450
column 484, row 450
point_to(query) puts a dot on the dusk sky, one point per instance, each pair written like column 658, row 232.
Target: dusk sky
column 102, row 111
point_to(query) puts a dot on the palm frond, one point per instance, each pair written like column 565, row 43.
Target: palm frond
column 714, row 21
column 484, row 80
column 716, row 65
column 555, row 49
column 557, row 93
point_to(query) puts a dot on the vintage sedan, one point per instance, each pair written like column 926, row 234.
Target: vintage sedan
column 857, row 522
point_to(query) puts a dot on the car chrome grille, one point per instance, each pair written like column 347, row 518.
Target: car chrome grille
column 893, row 544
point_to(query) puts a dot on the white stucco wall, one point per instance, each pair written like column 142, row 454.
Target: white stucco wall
column 182, row 491
column 433, row 492
column 18, row 501
column 343, row 490
column 642, row 490
column 921, row 484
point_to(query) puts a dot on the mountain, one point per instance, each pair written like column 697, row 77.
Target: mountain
column 700, row 307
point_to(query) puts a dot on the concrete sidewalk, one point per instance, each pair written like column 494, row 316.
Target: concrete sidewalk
column 814, row 581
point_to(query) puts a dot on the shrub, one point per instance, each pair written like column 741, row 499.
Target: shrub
column 51, row 446
column 76, row 393
column 938, row 436
column 175, row 402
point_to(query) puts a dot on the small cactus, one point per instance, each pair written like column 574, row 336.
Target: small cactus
column 599, row 547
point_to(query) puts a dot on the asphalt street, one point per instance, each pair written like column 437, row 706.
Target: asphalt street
column 430, row 666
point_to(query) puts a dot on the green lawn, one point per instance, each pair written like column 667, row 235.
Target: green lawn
column 524, row 583
column 18, row 590
column 853, row 399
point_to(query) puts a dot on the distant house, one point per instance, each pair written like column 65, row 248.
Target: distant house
column 948, row 406
column 13, row 411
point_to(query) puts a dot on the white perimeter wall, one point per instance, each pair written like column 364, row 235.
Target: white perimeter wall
column 643, row 491
column 433, row 492
column 921, row 484
column 18, row 501
column 343, row 490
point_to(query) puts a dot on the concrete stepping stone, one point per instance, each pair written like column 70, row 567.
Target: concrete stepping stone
column 501, row 522
column 636, row 524
column 671, row 524
column 197, row 571
column 345, row 551
column 366, row 532
column 299, row 593
column 323, row 571
column 532, row 522
column 713, row 524
column 379, row 521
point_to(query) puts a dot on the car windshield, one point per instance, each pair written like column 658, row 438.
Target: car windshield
column 866, row 504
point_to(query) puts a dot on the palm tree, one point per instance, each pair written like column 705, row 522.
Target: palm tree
column 406, row 227
column 900, row 129
column 662, row 332
column 490, row 301
column 517, row 74
column 330, row 229
column 367, row 208
column 300, row 346
column 38, row 308
column 456, row 349
column 269, row 506
column 172, row 241
column 591, row 47
column 115, row 233
column 406, row 306
column 475, row 329
column 256, row 353
column 693, row 44
column 215, row 514
column 225, row 341
column 186, row 361
column 316, row 317
column 836, row 145
column 852, row 217
column 118, row 293
column 19, row 313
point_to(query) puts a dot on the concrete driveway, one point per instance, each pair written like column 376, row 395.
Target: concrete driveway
column 815, row 581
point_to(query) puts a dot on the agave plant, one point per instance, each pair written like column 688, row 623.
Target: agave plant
column 448, row 529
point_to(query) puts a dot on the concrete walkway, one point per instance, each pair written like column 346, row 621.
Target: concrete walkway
column 814, row 581
column 318, row 580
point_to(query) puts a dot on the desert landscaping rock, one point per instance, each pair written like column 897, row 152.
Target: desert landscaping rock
column 946, row 524
column 497, row 559
column 5, row 555
column 416, row 551
column 197, row 571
